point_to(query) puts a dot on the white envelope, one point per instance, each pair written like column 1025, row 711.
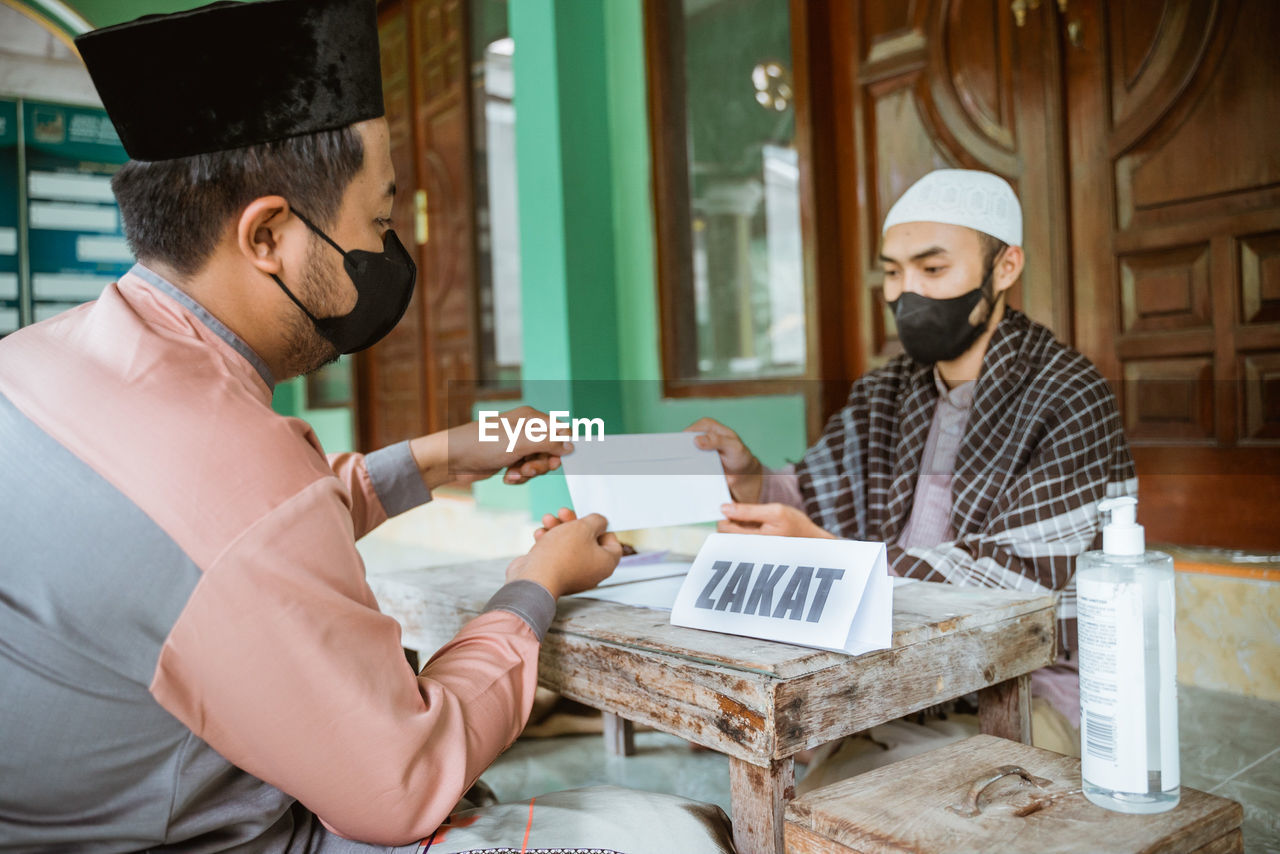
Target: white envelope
column 657, row 593
column 646, row 480
column 829, row 594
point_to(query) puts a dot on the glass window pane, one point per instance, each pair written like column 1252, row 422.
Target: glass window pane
column 497, row 216
column 748, row 276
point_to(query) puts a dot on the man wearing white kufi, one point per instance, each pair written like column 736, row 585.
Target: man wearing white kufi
column 978, row 455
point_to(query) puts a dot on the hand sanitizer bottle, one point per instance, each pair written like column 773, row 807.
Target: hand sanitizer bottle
column 1128, row 669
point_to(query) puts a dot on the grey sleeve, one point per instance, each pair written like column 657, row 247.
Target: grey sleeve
column 396, row 478
column 529, row 601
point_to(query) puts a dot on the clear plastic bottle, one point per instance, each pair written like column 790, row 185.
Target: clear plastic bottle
column 1128, row 669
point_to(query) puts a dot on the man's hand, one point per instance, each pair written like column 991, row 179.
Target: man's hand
column 742, row 470
column 777, row 520
column 570, row 556
column 550, row 521
column 458, row 455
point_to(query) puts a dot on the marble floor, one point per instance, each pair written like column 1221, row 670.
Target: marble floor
column 1230, row 747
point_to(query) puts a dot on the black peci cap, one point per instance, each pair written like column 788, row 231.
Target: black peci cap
column 230, row 74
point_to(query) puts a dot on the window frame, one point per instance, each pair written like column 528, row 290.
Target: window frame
column 673, row 240
column 486, row 388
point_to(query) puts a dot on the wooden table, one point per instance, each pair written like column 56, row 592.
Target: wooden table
column 759, row 702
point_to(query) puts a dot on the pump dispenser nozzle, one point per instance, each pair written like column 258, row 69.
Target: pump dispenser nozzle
column 1122, row 535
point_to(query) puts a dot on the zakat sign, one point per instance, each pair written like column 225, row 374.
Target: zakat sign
column 830, row 594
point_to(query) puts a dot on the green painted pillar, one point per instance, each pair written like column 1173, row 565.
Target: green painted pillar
column 569, row 312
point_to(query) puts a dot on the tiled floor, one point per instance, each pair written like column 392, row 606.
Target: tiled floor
column 1230, row 747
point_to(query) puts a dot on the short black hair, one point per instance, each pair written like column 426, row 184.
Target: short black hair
column 991, row 247
column 175, row 211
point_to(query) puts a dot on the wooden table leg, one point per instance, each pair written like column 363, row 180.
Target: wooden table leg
column 758, row 796
column 619, row 735
column 1004, row 709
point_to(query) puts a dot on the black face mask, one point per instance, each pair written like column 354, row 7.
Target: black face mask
column 938, row 330
column 384, row 285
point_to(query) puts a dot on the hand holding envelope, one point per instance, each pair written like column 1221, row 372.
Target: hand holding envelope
column 646, row 480
column 742, row 469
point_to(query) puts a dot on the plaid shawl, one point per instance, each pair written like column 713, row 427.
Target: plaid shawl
column 1043, row 445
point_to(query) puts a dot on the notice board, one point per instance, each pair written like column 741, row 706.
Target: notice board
column 56, row 163
column 9, row 291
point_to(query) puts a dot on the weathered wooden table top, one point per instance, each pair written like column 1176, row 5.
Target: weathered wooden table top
column 419, row 598
column 433, row 604
column 757, row 701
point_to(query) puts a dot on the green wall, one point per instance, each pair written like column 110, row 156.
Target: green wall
column 564, row 164
column 333, row 426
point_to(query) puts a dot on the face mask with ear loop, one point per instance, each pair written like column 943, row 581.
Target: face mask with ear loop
column 938, row 330
column 384, row 285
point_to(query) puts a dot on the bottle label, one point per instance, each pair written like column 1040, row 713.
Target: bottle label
column 1169, row 766
column 1113, row 724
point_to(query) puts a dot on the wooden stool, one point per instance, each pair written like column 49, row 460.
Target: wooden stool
column 990, row 794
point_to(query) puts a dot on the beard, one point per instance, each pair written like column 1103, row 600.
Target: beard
column 307, row 349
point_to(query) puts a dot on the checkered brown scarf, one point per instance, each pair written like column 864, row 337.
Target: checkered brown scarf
column 1042, row 446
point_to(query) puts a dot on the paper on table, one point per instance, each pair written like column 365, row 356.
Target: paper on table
column 646, row 480
column 630, row 574
column 659, row 593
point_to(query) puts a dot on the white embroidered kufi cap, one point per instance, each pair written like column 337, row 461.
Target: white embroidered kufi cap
column 980, row 200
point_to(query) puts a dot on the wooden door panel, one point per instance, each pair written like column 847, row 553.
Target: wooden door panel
column 1260, row 400
column 970, row 82
column 391, row 377
column 1260, row 278
column 1171, row 107
column 1169, row 399
column 887, row 28
column 1166, row 289
column 981, row 79
column 442, row 119
column 1155, row 49
column 1171, row 146
column 955, row 83
column 405, row 381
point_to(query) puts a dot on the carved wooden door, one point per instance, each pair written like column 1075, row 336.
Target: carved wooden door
column 404, row 383
column 1175, row 208
column 955, row 83
column 442, row 121
column 391, row 387
column 1142, row 139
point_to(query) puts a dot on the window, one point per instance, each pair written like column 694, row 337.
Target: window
column 497, row 234
column 727, row 193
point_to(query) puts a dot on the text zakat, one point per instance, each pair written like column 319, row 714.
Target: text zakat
column 741, row 596
column 557, row 427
